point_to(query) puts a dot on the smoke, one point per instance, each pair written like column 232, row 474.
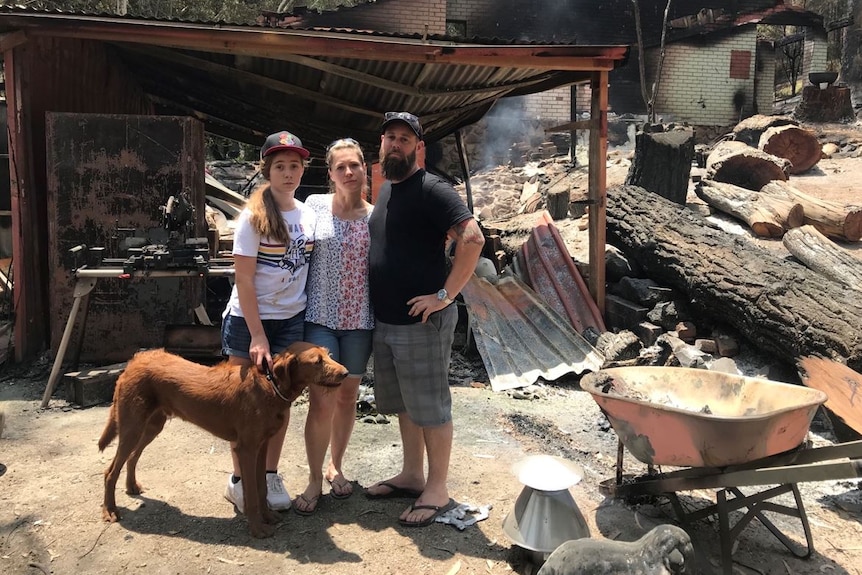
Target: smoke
column 505, row 125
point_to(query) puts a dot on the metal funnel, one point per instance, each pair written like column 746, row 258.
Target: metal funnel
column 545, row 513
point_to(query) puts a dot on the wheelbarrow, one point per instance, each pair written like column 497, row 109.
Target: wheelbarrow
column 724, row 432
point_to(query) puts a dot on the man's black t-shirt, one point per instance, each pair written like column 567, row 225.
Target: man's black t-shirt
column 408, row 235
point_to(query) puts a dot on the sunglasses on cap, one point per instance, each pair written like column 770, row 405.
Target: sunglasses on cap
column 406, row 117
column 341, row 142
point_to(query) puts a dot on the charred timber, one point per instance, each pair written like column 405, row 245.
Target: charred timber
column 830, row 218
column 779, row 305
column 767, row 216
column 798, row 145
column 662, row 160
column 739, row 164
column 750, row 129
column 822, row 255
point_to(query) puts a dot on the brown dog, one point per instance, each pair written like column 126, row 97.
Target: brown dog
column 234, row 403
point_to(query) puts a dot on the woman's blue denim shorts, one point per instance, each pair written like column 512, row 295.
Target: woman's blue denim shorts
column 349, row 347
column 236, row 339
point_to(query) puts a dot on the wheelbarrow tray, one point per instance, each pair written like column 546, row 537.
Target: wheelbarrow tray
column 699, row 418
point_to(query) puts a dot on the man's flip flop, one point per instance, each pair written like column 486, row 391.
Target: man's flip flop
column 438, row 511
column 395, row 492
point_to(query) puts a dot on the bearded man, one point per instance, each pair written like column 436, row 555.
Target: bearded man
column 412, row 291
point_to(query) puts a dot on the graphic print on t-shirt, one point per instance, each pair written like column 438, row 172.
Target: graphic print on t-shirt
column 292, row 257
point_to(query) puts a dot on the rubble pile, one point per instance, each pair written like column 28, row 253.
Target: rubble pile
column 504, row 191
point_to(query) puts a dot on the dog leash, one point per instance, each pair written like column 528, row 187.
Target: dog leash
column 271, row 379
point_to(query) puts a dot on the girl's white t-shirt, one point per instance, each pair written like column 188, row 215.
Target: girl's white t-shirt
column 282, row 270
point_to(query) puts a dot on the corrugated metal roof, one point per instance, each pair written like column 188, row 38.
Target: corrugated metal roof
column 247, row 81
column 520, row 338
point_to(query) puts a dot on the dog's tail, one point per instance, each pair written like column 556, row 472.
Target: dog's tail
column 110, row 431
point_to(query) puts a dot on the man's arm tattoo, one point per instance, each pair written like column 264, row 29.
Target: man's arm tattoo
column 468, row 231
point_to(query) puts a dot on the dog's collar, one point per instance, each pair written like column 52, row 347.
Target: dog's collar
column 271, row 379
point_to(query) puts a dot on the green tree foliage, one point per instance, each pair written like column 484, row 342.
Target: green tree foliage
column 239, row 11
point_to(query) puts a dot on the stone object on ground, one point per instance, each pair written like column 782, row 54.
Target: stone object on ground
column 618, row 266
column 621, row 346
column 647, row 332
column 643, row 291
column 727, row 345
column 621, row 313
column 706, row 345
column 669, row 313
column 724, row 365
column 664, row 549
column 686, row 331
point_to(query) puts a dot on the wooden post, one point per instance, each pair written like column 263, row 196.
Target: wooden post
column 573, row 117
column 598, row 172
column 465, row 167
column 31, row 326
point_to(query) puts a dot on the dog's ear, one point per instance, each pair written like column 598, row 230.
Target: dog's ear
column 282, row 366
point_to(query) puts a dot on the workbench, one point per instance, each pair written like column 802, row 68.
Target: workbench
column 86, row 279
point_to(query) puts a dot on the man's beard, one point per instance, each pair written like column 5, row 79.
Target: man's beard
column 396, row 168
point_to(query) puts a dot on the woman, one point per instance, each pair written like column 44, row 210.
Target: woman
column 338, row 316
column 272, row 245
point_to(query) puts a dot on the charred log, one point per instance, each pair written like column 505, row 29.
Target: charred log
column 767, row 216
column 830, row 218
column 781, row 306
column 662, row 161
column 793, row 143
column 822, row 255
column 750, row 129
column 739, row 164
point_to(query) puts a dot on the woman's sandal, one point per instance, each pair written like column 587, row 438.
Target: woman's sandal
column 341, row 483
column 310, row 504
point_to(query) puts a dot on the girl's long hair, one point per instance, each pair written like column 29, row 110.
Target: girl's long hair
column 265, row 216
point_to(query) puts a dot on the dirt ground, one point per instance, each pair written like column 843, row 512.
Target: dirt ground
column 51, row 487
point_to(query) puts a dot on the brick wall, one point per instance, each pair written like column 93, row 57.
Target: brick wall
column 813, row 56
column 696, row 86
column 393, row 16
column 553, row 107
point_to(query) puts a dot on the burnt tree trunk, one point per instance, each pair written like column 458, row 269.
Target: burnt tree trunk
column 750, row 129
column 558, row 204
column 767, row 216
column 798, row 145
column 781, row 306
column 741, row 165
column 822, row 255
column 662, row 161
column 830, row 218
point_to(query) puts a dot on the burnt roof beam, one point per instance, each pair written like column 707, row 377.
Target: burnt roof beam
column 389, row 85
column 231, row 73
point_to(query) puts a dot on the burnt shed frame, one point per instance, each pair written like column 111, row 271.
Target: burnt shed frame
column 246, row 81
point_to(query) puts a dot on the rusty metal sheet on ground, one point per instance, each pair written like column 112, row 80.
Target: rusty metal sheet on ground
column 520, row 338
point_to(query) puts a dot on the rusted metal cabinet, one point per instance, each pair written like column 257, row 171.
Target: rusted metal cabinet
column 113, row 171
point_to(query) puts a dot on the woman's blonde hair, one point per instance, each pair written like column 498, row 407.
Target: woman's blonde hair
column 344, row 144
column 265, row 216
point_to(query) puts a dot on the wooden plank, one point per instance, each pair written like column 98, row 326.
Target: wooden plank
column 840, row 383
column 598, row 173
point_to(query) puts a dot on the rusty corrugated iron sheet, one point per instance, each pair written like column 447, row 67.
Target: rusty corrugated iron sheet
column 520, row 338
column 550, row 271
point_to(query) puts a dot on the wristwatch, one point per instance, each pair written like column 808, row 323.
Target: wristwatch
column 443, row 296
